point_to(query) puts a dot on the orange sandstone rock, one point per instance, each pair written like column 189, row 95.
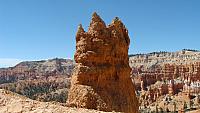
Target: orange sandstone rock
column 101, row 78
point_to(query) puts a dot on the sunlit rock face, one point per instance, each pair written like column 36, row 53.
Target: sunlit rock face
column 101, row 78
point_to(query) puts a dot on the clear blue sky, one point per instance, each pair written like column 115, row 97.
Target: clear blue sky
column 42, row 29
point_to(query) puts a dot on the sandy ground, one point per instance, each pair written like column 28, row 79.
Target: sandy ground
column 14, row 103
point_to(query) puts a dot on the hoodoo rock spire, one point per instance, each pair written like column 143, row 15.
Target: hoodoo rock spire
column 97, row 25
column 80, row 29
column 101, row 78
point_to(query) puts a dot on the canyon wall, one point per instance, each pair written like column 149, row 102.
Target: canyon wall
column 46, row 80
column 167, row 80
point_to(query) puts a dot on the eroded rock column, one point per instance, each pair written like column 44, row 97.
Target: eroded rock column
column 101, row 78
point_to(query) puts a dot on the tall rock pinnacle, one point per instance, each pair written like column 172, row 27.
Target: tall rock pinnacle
column 97, row 25
column 101, row 78
column 80, row 29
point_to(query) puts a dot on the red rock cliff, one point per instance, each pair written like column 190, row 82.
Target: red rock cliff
column 101, row 78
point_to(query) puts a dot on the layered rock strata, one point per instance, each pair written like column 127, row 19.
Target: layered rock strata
column 168, row 83
column 101, row 78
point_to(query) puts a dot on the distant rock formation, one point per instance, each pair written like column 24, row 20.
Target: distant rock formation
column 46, row 80
column 101, row 78
column 158, row 58
column 159, row 76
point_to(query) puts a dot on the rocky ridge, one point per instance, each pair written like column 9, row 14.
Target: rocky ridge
column 56, row 66
column 46, row 80
column 159, row 58
column 14, row 103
